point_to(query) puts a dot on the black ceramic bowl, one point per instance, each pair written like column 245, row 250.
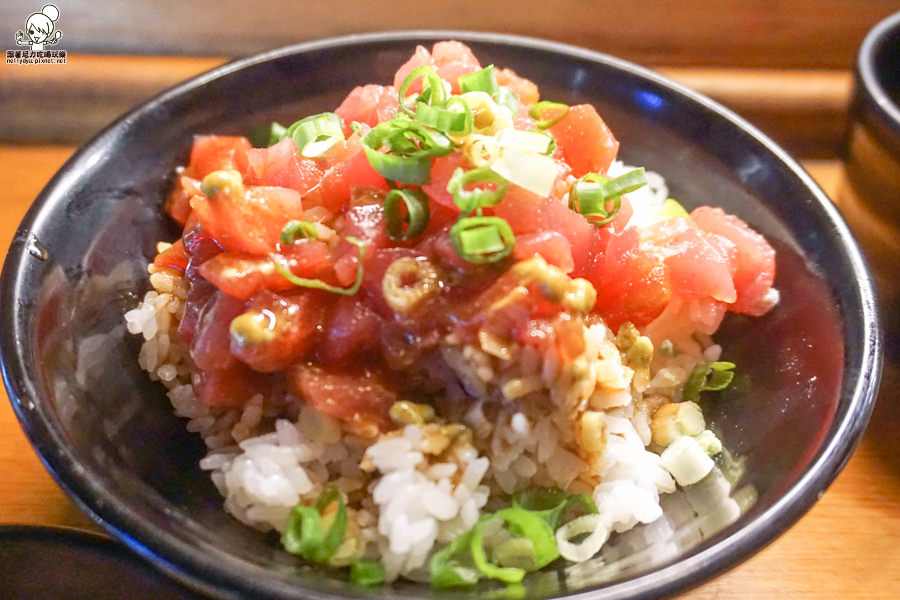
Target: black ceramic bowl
column 111, row 440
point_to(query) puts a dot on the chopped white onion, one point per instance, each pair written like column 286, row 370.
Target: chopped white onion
column 686, row 460
column 533, row 141
column 530, row 170
column 594, row 525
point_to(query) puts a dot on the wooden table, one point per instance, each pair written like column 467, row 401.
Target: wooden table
column 847, row 546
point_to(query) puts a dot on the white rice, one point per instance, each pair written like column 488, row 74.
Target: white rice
column 416, row 488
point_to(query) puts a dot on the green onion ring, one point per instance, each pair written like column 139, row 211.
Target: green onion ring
column 417, row 214
column 708, row 376
column 452, row 566
column 304, row 534
column 591, row 194
column 506, row 97
column 275, row 134
column 405, row 169
column 558, row 109
column 366, row 572
column 448, row 119
column 482, row 240
column 471, row 200
column 484, row 80
column 433, row 91
column 553, row 504
column 410, row 146
column 298, row 230
column 315, row 134
column 318, row 284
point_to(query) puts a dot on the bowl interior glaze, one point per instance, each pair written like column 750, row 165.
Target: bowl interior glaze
column 109, row 436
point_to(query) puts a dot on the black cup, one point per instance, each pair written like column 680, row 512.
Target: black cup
column 870, row 196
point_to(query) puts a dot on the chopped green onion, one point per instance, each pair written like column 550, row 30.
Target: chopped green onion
column 592, row 193
column 686, row 461
column 482, row 240
column 304, row 534
column 469, row 200
column 486, row 567
column 522, row 524
column 416, row 217
column 452, row 565
column 594, row 530
column 708, row 376
column 454, row 118
column 318, row 284
column 298, row 230
column 527, row 544
column 557, row 111
column 433, row 91
column 709, row 441
column 405, row 169
column 671, row 209
column 479, row 81
column 276, row 133
column 553, row 505
column 625, row 183
column 515, row 552
column 506, row 97
column 366, row 572
column 315, row 134
column 410, row 147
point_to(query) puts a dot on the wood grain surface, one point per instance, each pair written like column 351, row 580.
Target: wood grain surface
column 804, row 110
column 847, row 546
column 735, row 33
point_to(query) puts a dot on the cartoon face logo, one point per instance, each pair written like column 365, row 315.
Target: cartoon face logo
column 39, row 29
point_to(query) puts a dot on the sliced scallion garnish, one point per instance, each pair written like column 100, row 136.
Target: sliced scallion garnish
column 410, row 147
column 671, row 209
column 592, row 194
column 553, row 505
column 625, row 183
column 488, row 190
column 484, row 80
column 482, row 240
column 276, row 133
column 708, row 376
column 523, row 524
column 506, row 97
column 318, row 284
column 454, row 118
column 298, row 230
column 366, row 572
column 305, row 534
column 415, row 217
column 412, row 170
column 590, row 531
column 452, row 565
column 315, row 134
column 556, row 110
column 433, row 91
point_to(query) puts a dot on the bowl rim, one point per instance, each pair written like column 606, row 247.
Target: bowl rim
column 209, row 574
